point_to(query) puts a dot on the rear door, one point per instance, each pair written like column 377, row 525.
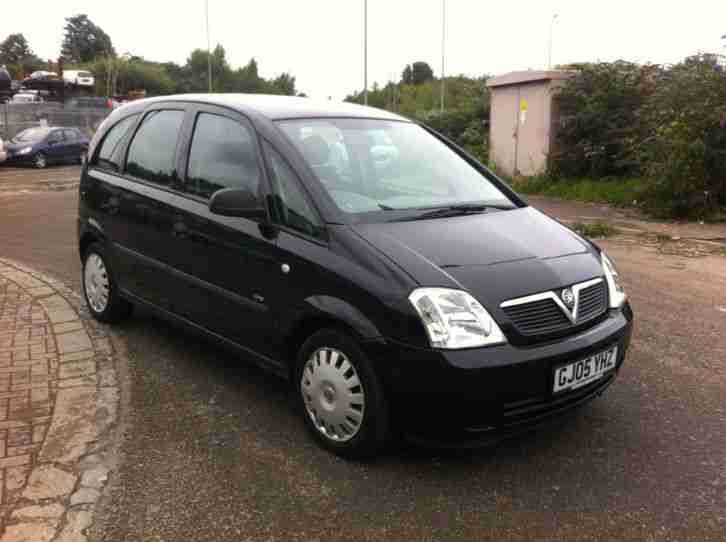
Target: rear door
column 131, row 199
column 224, row 262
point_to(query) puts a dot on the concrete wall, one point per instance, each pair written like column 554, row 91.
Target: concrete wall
column 14, row 118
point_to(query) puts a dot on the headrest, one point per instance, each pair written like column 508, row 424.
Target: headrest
column 316, row 150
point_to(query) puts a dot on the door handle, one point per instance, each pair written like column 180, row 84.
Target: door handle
column 180, row 230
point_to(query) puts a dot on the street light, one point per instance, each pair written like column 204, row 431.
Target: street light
column 209, row 54
column 365, row 52
column 552, row 24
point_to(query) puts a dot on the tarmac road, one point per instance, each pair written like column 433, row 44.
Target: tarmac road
column 212, row 450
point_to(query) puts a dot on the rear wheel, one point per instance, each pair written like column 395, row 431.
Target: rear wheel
column 341, row 397
column 40, row 160
column 99, row 288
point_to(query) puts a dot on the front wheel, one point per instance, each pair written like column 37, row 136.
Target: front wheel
column 40, row 160
column 341, row 396
column 99, row 288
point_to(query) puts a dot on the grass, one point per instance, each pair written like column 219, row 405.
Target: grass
column 615, row 191
column 594, row 229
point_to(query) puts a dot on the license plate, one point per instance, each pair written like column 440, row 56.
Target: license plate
column 585, row 371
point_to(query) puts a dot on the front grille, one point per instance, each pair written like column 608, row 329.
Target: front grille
column 545, row 316
column 538, row 317
column 593, row 302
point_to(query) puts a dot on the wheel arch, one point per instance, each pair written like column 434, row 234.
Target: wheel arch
column 91, row 233
column 327, row 312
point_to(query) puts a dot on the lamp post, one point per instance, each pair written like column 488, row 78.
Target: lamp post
column 443, row 53
column 552, row 25
column 365, row 52
column 209, row 53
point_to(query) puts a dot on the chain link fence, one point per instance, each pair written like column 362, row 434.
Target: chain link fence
column 14, row 118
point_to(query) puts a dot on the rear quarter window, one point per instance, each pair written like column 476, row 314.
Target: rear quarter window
column 108, row 155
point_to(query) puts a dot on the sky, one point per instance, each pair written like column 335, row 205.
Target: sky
column 321, row 41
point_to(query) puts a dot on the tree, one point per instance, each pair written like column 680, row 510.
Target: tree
column 417, row 73
column 18, row 56
column 84, row 41
column 14, row 49
column 284, row 84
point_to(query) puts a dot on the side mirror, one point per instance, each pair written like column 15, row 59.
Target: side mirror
column 236, row 202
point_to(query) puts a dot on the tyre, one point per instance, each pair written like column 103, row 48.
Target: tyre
column 40, row 160
column 341, row 396
column 99, row 288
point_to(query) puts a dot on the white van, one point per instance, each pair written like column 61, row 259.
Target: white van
column 78, row 77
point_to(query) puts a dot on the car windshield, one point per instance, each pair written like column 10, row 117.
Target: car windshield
column 376, row 167
column 84, row 74
column 31, row 134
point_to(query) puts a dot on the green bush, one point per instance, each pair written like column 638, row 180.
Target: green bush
column 665, row 124
column 685, row 153
column 599, row 127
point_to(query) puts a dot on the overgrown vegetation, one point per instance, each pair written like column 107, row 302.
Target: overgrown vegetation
column 594, row 230
column 617, row 191
column 664, row 124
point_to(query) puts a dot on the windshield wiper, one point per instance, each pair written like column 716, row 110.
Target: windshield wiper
column 453, row 210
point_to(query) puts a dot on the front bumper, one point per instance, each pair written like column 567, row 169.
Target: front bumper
column 19, row 158
column 485, row 394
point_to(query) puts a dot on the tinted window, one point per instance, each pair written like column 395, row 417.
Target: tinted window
column 31, row 134
column 70, row 135
column 151, row 153
column 222, row 155
column 56, row 135
column 108, row 154
column 291, row 206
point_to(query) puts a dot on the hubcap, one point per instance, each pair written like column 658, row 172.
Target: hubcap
column 333, row 394
column 95, row 279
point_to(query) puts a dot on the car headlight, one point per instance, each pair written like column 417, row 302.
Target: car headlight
column 615, row 287
column 454, row 319
column 26, row 150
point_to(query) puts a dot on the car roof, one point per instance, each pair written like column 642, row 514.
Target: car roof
column 281, row 107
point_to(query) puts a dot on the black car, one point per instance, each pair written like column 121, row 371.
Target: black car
column 42, row 146
column 415, row 294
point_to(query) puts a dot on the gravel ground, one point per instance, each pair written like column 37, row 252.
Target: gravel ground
column 212, row 451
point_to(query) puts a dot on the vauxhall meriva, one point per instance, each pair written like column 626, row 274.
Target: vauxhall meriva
column 395, row 281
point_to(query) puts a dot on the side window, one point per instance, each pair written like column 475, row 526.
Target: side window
column 70, row 136
column 151, row 152
column 107, row 156
column 222, row 155
column 56, row 136
column 291, row 207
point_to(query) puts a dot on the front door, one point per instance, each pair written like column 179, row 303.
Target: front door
column 55, row 148
column 224, row 262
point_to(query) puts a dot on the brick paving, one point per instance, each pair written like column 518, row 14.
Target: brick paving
column 28, row 383
column 58, row 403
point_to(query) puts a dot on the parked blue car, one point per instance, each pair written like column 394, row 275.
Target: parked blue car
column 43, row 146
